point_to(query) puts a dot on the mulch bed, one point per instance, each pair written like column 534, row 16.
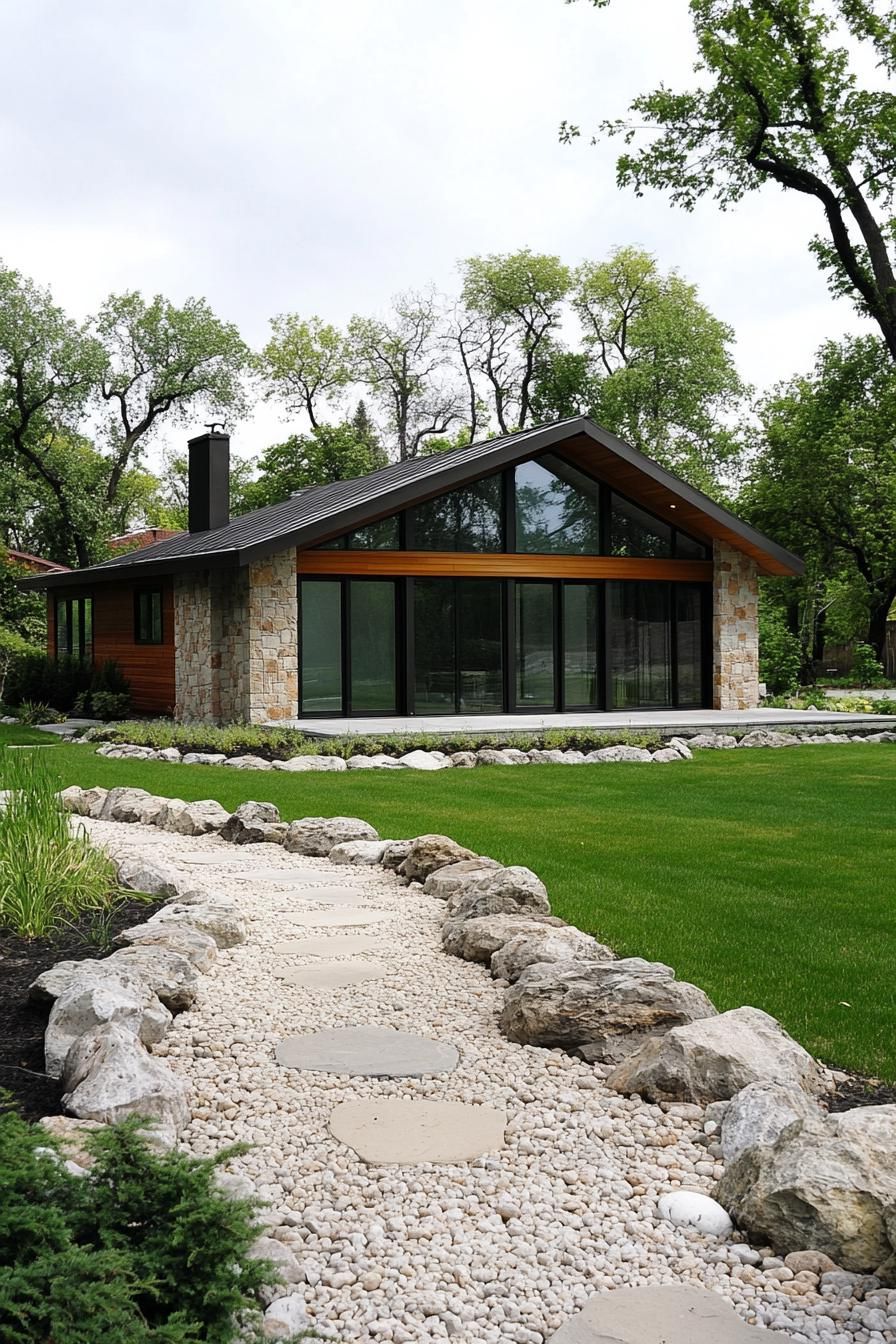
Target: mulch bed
column 22, row 1023
column 861, row 1091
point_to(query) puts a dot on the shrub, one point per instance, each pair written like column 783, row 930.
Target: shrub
column 866, row 667
column 108, row 705
column 68, row 683
column 31, row 713
column 142, row 1250
column 780, row 656
column 47, row 874
column 13, row 650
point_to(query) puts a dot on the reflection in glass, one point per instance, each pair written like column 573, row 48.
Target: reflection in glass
column 556, row 509
column 580, row 645
column 688, row 548
column 535, row 644
column 640, row 644
column 321, row 646
column 434, row 651
column 688, row 611
column 63, row 643
column 372, row 633
column 381, row 536
column 480, row 652
column 633, row 531
column 469, row 519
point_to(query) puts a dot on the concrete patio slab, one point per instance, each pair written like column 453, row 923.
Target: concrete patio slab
column 367, row 1052
column 333, row 974
column 344, row 945
column 666, row 1314
column 391, row 1132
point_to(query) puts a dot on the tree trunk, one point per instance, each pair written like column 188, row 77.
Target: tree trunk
column 878, row 611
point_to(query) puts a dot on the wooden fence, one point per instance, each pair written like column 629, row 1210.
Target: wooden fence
column 838, row 657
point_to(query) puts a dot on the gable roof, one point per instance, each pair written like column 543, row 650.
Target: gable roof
column 320, row 512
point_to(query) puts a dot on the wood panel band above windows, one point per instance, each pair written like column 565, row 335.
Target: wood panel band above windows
column 473, row 565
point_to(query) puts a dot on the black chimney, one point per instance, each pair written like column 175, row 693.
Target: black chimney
column 208, row 481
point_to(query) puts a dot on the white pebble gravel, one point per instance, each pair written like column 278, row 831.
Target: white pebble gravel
column 505, row 1248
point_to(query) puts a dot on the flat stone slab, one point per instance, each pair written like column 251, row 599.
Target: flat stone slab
column 346, row 946
column 335, row 919
column 392, row 1132
column 333, row 895
column 367, row 1052
column 293, row 875
column 333, row 974
column 667, row 1314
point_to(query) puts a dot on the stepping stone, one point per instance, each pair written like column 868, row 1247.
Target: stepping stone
column 332, row 896
column 334, row 919
column 367, row 1052
column 333, row 974
column 290, row 875
column 346, row 946
column 669, row 1314
column 224, row 857
column 394, row 1132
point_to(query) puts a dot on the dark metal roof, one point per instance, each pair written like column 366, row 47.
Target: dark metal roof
column 319, row 512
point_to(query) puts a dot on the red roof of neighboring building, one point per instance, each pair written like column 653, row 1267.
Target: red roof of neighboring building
column 36, row 563
column 140, row 537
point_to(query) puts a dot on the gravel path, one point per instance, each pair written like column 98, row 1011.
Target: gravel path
column 504, row 1248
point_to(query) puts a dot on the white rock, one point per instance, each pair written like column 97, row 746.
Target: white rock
column 359, row 852
column 92, row 998
column 203, row 758
column 545, row 944
column 425, row 760
column 760, row 1114
column 316, row 836
column 286, row 1317
column 690, row 1208
column 109, row 1075
column 300, row 764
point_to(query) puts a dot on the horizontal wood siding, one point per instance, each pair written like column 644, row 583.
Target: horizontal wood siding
column 470, row 565
column 148, row 667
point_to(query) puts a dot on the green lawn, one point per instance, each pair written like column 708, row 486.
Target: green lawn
column 766, row 877
column 18, row 735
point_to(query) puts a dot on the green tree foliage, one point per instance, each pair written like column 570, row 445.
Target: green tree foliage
column 663, row 374
column 166, row 504
column 778, row 100
column 513, row 303
column 824, row 481
column 328, row 453
column 305, row 363
column 21, row 613
column 780, row 651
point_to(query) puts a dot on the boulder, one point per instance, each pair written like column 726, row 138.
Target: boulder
column 552, row 756
column 395, row 853
column 50, row 983
column 463, row 760
column 249, row 824
column 666, row 755
column 200, row 949
column 545, row 944
column 73, row 800
column 358, row 852
column 202, row 818
column 153, row 879
column 495, row 756
column 612, row 755
column 166, row 817
column 203, row 758
column 713, row 741
column 71, row 1135
column 760, row 1113
column 286, row 1318
column 169, row 754
column 828, row 1184
column 96, row 996
column 109, row 1075
column 504, row 891
column 219, row 919
column 316, row 836
column 379, row 761
column 122, row 804
column 150, row 809
column 444, row 882
column 169, row 974
column 247, row 763
column 713, row 1058
column 300, row 764
column 478, row 939
column 425, row 760
column 608, row 1007
column 427, row 853
column 95, row 801
column 681, row 747
column 763, row 737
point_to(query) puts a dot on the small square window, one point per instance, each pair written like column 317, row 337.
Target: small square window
column 148, row 617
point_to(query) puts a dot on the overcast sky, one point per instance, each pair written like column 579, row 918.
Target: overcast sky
column 318, row 156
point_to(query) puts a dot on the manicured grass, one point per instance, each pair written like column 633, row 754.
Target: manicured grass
column 16, row 735
column 766, row 877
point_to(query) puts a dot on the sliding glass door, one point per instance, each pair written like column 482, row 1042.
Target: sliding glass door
column 348, row 646
column 458, row 646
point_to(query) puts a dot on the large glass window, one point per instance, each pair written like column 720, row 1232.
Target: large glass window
column 535, row 635
column 580, row 645
column 634, row 531
column 435, row 689
column 74, row 628
column 557, row 509
column 640, row 645
column 463, row 520
column 320, row 645
column 372, row 633
column 379, row 536
column 688, row 548
column 689, row 643
column 458, row 646
column 148, row 616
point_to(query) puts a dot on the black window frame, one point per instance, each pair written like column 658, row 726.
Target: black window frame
column 139, row 595
column 345, row 666
column 84, row 652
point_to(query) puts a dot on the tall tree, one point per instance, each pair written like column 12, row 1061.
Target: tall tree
column 663, row 373
column 516, row 301
column 328, row 453
column 165, row 364
column 49, row 366
column 167, row 504
column 402, row 361
column 779, row 100
column 305, row 363
column 825, row 476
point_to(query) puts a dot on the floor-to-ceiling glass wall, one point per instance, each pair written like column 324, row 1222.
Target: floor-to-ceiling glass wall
column 458, row 646
column 536, row 646
column 582, row 646
column 373, row 680
column 320, row 642
column 640, row 645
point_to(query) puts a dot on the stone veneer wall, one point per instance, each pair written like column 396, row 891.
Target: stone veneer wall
column 236, row 643
column 735, row 629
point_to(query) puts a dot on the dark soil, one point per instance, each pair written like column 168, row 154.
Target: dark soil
column 22, row 1023
column 861, row 1091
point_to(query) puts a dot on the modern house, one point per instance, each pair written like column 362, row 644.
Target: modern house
column 554, row 569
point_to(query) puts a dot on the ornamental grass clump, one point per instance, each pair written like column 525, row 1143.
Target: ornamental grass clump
column 143, row 1249
column 48, row 875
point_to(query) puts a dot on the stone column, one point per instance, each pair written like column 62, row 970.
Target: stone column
column 735, row 629
column 273, row 639
column 194, row 659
